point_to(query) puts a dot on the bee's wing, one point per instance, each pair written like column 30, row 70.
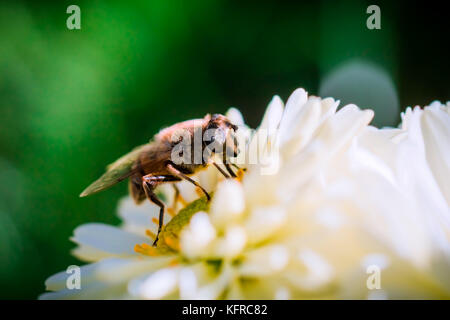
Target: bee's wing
column 115, row 172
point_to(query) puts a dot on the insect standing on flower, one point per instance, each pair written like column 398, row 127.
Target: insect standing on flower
column 172, row 155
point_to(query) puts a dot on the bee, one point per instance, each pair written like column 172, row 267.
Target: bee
column 174, row 154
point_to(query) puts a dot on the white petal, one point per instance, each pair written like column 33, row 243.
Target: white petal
column 273, row 115
column 58, row 280
column 92, row 276
column 214, row 288
column 318, row 271
column 303, row 126
column 92, row 291
column 137, row 218
column 108, row 239
column 436, row 134
column 378, row 259
column 119, row 270
column 235, row 116
column 159, row 284
column 334, row 136
column 264, row 261
column 197, row 235
column 89, row 254
column 231, row 244
column 293, row 106
column 187, row 283
column 263, row 222
column 228, row 202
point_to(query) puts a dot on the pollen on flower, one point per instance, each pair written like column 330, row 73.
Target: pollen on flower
column 240, row 174
column 169, row 238
column 161, row 248
column 172, row 242
column 173, row 263
column 171, row 211
column 150, row 234
column 198, row 191
column 146, row 249
column 181, row 199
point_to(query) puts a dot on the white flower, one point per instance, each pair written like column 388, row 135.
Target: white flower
column 341, row 198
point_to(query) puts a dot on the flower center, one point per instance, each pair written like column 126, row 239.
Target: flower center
column 169, row 238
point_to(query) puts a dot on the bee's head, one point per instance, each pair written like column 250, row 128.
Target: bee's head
column 219, row 135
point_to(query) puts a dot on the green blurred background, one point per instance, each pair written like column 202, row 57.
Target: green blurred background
column 72, row 101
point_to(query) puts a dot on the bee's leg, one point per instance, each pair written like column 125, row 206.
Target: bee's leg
column 149, row 183
column 153, row 198
column 230, row 171
column 176, row 172
column 221, row 170
column 243, row 169
column 227, row 166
